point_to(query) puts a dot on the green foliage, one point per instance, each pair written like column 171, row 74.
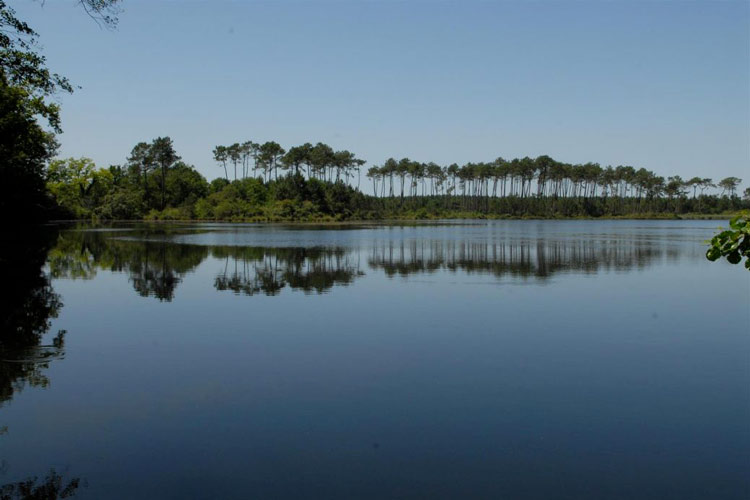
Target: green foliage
column 23, row 67
column 253, row 190
column 24, row 149
column 290, row 187
column 217, row 185
column 170, row 214
column 733, row 243
column 184, row 185
column 83, row 191
column 338, row 199
column 204, row 210
column 77, row 186
column 282, row 209
column 26, row 90
column 729, row 185
column 317, row 186
column 122, row 204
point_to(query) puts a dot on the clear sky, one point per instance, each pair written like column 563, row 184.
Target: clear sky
column 662, row 85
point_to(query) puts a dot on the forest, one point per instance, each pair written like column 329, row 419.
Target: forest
column 265, row 182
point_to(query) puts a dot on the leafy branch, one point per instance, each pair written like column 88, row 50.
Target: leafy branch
column 732, row 243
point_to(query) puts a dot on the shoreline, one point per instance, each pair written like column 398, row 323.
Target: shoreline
column 451, row 217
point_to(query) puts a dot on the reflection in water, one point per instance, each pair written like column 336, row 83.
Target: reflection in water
column 157, row 266
column 26, row 314
column 450, row 397
column 540, row 258
column 52, row 487
column 250, row 270
column 25, row 320
column 156, row 269
column 27, row 364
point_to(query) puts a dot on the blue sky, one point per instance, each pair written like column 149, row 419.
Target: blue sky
column 662, row 85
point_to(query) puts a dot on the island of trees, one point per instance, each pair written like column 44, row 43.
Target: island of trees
column 265, row 182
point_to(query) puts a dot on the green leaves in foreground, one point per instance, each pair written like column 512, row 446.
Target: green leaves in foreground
column 733, row 243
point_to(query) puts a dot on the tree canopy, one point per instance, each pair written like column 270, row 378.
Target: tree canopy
column 318, row 182
column 26, row 85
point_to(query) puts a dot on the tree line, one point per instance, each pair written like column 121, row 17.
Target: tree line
column 263, row 181
column 544, row 186
column 319, row 161
column 319, row 183
column 155, row 183
column 526, row 177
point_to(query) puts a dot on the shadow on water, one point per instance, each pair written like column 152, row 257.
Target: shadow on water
column 24, row 353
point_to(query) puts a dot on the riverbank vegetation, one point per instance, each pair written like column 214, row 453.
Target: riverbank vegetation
column 310, row 182
column 265, row 182
column 30, row 114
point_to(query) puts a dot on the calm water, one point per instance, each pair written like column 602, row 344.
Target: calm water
column 519, row 359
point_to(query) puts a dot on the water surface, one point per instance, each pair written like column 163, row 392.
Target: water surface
column 504, row 359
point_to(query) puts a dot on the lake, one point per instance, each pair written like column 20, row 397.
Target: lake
column 474, row 359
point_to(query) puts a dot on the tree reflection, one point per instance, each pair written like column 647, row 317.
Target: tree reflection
column 251, row 270
column 25, row 320
column 26, row 314
column 51, row 487
column 156, row 267
column 524, row 258
column 156, row 264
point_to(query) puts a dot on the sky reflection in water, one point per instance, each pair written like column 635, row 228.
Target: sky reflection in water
column 519, row 359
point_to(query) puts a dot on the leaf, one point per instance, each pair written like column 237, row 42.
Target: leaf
column 713, row 253
column 734, row 257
